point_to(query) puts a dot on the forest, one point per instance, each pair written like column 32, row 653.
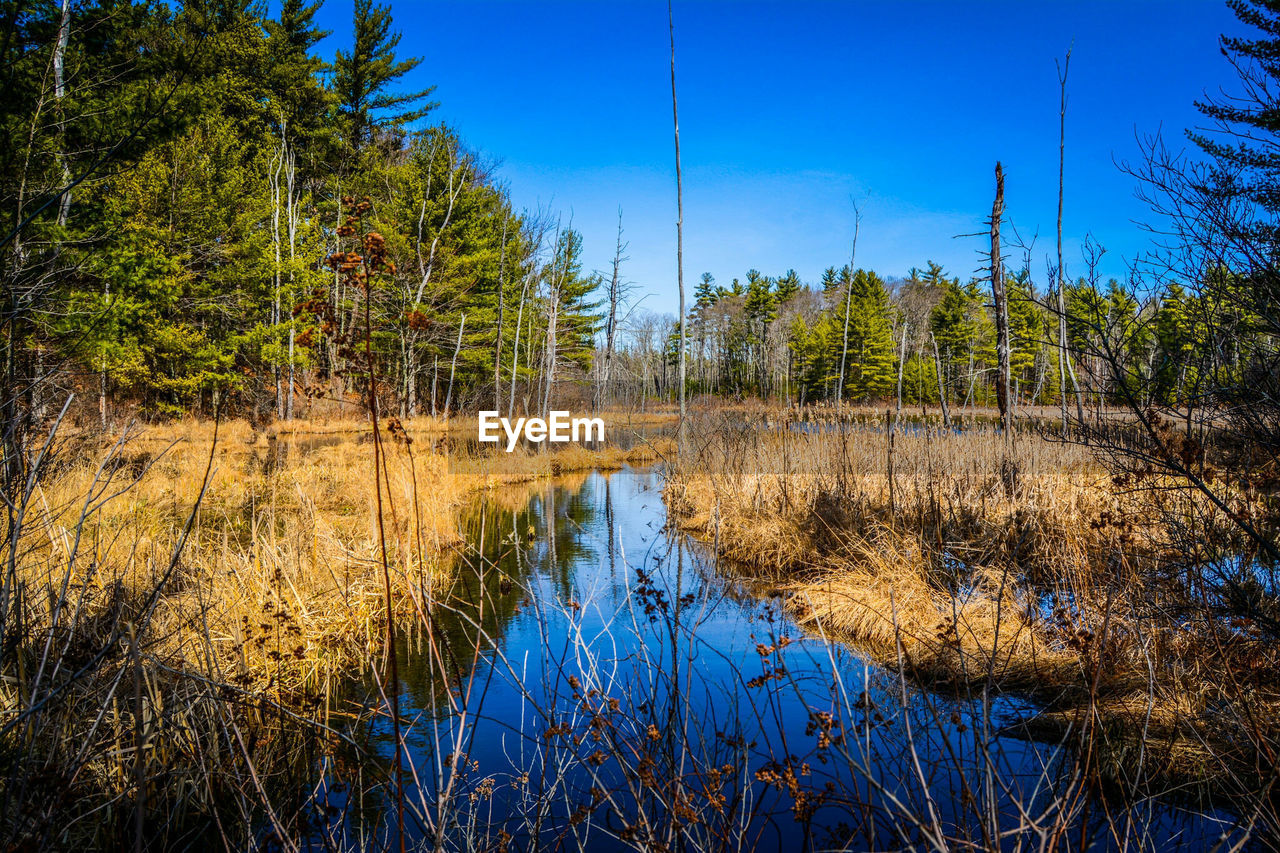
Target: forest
column 174, row 192
column 938, row 559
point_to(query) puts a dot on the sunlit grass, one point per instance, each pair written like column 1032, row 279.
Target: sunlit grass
column 1020, row 567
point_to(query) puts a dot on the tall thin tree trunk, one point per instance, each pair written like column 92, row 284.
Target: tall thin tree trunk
column 1000, row 298
column 515, row 351
column 611, row 322
column 335, row 371
column 942, row 385
column 551, row 354
column 848, row 298
column 59, row 92
column 102, row 371
column 902, row 362
column 453, row 366
column 273, row 180
column 435, row 377
column 675, row 118
column 411, row 381
column 405, row 381
column 291, row 174
column 1062, row 279
column 497, row 344
column 972, row 379
column 64, row 203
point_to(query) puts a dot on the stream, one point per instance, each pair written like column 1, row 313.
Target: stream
column 598, row 682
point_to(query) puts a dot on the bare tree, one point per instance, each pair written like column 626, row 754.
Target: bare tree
column 1001, row 304
column 617, row 290
column 497, row 338
column 1064, row 360
column 848, row 294
column 675, row 117
column 942, row 385
column 274, row 168
column 515, row 346
column 453, row 366
column 460, row 168
column 534, row 230
column 291, row 222
column 59, row 92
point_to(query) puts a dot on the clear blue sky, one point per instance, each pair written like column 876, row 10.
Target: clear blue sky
column 788, row 109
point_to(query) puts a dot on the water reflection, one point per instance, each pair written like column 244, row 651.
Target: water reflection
column 592, row 680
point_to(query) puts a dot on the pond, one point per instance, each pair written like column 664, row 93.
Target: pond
column 597, row 681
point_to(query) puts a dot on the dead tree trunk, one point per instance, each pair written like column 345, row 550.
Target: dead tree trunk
column 497, row 343
column 291, row 216
column 1063, row 357
column 848, row 299
column 59, row 92
column 675, row 119
column 902, row 361
column 515, row 349
column 273, row 183
column 611, row 320
column 1001, row 303
column 942, row 385
column 453, row 366
column 549, row 358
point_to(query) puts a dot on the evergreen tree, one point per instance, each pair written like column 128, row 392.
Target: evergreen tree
column 1245, row 159
column 363, row 78
column 964, row 333
column 830, row 282
column 1027, row 330
column 705, row 294
column 760, row 302
column 294, row 73
column 577, row 320
column 1174, row 342
column 787, row 287
column 869, row 371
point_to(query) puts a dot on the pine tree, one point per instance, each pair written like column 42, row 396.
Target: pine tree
column 830, row 281
column 294, row 73
column 760, row 302
column 705, row 294
column 1175, row 343
column 1246, row 158
column 1026, row 330
column 787, row 287
column 363, row 78
column 965, row 336
column 869, row 372
column 577, row 318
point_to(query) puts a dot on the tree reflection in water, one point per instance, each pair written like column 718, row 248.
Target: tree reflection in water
column 592, row 679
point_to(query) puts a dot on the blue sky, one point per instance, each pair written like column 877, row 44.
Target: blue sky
column 789, row 109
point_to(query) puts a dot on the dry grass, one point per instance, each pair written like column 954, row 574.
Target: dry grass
column 208, row 665
column 882, row 603
column 1049, row 581
column 277, row 577
column 812, row 511
column 281, row 570
column 205, row 664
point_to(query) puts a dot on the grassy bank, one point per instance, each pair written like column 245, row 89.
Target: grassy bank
column 970, row 565
column 182, row 613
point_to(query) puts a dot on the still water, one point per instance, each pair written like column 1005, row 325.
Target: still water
column 598, row 682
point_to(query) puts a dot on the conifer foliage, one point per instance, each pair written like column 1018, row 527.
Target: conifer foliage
column 169, row 205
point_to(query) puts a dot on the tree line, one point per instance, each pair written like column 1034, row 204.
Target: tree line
column 178, row 178
column 174, row 191
column 780, row 338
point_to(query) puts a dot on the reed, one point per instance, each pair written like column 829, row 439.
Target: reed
column 188, row 604
column 1022, row 567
